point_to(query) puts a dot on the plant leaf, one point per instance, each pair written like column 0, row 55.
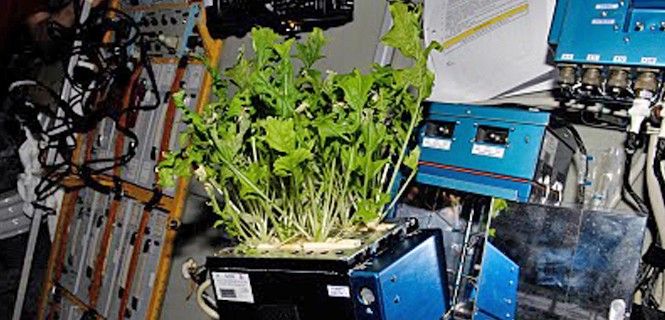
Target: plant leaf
column 356, row 88
column 411, row 160
column 280, row 134
column 263, row 40
column 310, row 51
column 290, row 164
column 405, row 31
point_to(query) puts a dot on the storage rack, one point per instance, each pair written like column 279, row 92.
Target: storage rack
column 149, row 214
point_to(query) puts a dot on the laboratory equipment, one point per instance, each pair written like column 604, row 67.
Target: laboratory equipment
column 505, row 152
column 235, row 18
column 609, row 51
column 399, row 274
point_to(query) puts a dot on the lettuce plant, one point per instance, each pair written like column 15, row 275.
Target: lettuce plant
column 288, row 153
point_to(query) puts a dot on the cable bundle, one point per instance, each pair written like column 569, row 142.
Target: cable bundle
column 108, row 54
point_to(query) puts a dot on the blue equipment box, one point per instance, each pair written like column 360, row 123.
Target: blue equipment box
column 609, row 32
column 399, row 277
column 502, row 152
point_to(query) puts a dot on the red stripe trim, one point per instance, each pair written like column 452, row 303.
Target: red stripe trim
column 471, row 171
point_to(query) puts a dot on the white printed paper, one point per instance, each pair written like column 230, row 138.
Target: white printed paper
column 434, row 143
column 231, row 286
column 491, row 47
column 488, row 150
column 339, row 291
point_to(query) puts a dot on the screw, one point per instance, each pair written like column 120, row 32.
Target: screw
column 393, row 278
column 603, row 14
column 639, row 26
column 396, row 300
column 626, row 39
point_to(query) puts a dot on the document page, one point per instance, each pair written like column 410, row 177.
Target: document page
column 491, row 47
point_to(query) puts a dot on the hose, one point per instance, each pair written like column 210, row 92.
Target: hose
column 654, row 186
column 212, row 313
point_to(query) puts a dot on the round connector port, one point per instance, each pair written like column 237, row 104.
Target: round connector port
column 366, row 296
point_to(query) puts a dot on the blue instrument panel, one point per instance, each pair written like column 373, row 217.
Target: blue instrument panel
column 610, row 32
column 501, row 152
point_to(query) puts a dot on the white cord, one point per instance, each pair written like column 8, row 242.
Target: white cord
column 199, row 300
column 657, row 205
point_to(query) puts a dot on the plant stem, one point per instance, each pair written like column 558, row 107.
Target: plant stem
column 405, row 145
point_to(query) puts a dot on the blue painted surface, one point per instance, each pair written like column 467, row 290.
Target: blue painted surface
column 479, row 315
column 497, row 286
column 468, row 182
column 521, row 155
column 508, row 177
column 408, row 283
column 603, row 32
column 649, row 4
column 557, row 21
column 502, row 113
column 194, row 10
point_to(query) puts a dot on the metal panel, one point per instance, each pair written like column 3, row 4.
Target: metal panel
column 483, row 185
column 12, row 219
column 408, row 280
column 573, row 263
column 611, row 32
column 526, row 130
column 499, row 277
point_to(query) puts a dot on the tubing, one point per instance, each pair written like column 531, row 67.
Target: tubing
column 202, row 304
column 657, row 205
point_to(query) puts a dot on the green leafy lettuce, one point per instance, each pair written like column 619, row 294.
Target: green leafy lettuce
column 288, row 154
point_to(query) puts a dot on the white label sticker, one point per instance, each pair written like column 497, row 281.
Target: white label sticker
column 434, row 143
column 567, row 56
column 607, row 6
column 488, row 151
column 207, row 3
column 649, row 60
column 593, row 57
column 233, row 287
column 603, row 21
column 339, row 291
column 620, row 59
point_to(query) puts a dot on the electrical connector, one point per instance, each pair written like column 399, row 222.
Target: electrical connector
column 640, row 110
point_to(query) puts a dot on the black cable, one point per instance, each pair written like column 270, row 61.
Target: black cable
column 657, row 166
column 96, row 94
column 629, row 195
column 633, row 143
